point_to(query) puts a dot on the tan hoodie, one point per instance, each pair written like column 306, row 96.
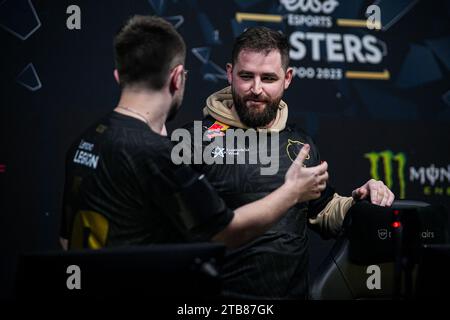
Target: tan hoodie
column 219, row 106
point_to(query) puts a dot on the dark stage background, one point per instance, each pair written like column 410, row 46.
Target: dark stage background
column 377, row 102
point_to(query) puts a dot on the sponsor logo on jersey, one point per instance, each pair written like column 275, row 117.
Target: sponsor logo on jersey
column 293, row 148
column 216, row 130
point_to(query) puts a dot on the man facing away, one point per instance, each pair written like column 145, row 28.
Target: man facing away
column 121, row 186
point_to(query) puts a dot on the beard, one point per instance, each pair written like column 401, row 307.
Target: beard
column 252, row 117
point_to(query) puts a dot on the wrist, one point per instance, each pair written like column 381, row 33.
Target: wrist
column 291, row 191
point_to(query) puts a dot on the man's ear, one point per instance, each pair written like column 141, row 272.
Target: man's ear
column 116, row 76
column 229, row 73
column 176, row 78
column 288, row 77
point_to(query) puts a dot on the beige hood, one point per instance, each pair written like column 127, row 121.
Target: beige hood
column 219, row 106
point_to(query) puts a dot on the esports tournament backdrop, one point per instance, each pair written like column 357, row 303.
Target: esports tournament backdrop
column 377, row 102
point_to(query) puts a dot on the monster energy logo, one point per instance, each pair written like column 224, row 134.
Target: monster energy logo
column 388, row 158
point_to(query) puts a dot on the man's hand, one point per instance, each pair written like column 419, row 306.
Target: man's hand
column 308, row 182
column 255, row 218
column 378, row 192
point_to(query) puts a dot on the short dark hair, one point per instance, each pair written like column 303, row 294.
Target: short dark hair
column 262, row 39
column 146, row 48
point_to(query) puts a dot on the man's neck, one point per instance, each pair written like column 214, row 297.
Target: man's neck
column 270, row 124
column 151, row 106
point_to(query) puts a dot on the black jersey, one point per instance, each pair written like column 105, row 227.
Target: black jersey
column 122, row 188
column 274, row 265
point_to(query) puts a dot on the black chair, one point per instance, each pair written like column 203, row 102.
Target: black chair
column 175, row 270
column 390, row 239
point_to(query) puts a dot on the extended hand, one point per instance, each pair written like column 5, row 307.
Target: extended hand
column 309, row 182
column 378, row 192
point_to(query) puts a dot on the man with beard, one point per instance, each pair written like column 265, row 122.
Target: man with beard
column 121, row 186
column 275, row 265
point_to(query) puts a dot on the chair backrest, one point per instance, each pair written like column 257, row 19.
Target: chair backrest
column 363, row 263
column 172, row 270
